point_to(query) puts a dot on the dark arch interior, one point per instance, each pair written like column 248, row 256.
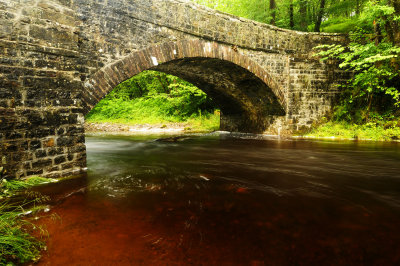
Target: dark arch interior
column 247, row 104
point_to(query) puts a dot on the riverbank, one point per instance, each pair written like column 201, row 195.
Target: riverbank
column 369, row 131
column 126, row 129
column 329, row 130
column 200, row 124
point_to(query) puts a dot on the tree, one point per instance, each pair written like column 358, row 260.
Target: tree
column 291, row 13
column 392, row 26
column 320, row 15
column 303, row 15
column 272, row 8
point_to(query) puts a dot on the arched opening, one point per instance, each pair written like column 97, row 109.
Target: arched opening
column 155, row 102
column 247, row 96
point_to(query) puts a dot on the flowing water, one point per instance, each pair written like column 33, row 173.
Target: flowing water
column 221, row 199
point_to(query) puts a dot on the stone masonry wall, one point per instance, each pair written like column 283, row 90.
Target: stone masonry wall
column 49, row 49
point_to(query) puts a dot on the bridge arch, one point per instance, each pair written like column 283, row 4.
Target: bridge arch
column 248, row 96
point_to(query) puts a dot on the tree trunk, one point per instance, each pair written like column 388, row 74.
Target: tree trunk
column 310, row 12
column 272, row 8
column 396, row 5
column 395, row 24
column 369, row 107
column 377, row 32
column 392, row 28
column 389, row 29
column 291, row 14
column 303, row 15
column 321, row 12
column 358, row 8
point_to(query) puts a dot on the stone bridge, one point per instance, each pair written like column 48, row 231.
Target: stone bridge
column 58, row 58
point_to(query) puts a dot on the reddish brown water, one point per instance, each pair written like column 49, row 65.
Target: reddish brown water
column 219, row 200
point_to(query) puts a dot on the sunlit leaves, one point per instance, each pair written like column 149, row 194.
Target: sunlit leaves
column 375, row 9
column 152, row 96
column 339, row 16
column 375, row 74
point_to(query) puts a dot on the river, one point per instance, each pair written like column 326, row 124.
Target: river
column 222, row 199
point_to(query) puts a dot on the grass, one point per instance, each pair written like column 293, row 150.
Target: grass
column 140, row 111
column 17, row 245
column 204, row 123
column 368, row 131
column 339, row 25
column 9, row 188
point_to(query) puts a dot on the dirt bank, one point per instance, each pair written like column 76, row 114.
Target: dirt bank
column 171, row 128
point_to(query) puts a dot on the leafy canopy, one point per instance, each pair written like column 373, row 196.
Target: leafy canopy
column 373, row 57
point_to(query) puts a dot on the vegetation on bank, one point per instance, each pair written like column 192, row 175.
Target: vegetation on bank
column 368, row 131
column 369, row 106
column 153, row 97
column 17, row 207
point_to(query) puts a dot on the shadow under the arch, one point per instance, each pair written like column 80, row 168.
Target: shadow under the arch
column 247, row 104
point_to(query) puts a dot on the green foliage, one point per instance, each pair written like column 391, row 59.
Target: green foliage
column 373, row 57
column 338, row 16
column 376, row 10
column 369, row 131
column 9, row 188
column 375, row 85
column 16, row 243
column 207, row 122
column 338, row 25
column 153, row 97
column 372, row 65
column 252, row 9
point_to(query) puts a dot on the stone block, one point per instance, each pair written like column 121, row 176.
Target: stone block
column 42, row 163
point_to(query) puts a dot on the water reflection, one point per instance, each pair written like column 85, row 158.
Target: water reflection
column 223, row 199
